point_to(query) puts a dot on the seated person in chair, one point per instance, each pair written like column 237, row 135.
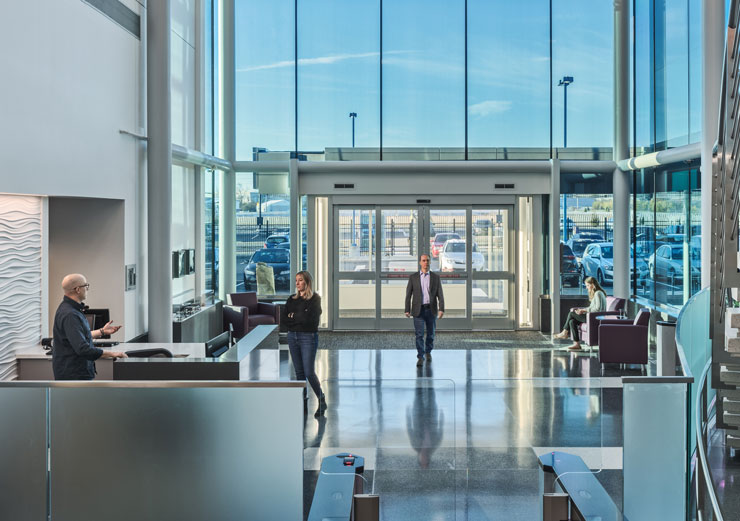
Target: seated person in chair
column 577, row 316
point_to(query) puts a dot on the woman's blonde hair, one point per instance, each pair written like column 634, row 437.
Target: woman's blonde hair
column 597, row 287
column 308, row 279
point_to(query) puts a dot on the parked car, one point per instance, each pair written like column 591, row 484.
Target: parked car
column 286, row 246
column 439, row 240
column 452, row 256
column 481, row 226
column 579, row 246
column 598, row 262
column 570, row 273
column 275, row 239
column 592, row 236
column 675, row 238
column 666, row 264
column 279, row 259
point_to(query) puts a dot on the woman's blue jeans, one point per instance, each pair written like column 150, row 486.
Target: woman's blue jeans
column 303, row 348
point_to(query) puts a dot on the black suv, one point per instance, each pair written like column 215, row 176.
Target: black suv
column 570, row 274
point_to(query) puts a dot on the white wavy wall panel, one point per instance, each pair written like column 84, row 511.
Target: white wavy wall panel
column 20, row 278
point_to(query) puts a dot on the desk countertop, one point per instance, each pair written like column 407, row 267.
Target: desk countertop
column 193, row 350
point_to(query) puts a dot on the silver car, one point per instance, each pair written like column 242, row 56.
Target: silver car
column 452, row 256
column 598, row 262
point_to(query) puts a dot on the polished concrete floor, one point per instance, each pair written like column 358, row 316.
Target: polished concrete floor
column 725, row 467
column 458, row 438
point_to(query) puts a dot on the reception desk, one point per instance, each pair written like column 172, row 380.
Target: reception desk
column 254, row 357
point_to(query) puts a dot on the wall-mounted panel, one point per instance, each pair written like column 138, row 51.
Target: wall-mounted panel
column 20, row 277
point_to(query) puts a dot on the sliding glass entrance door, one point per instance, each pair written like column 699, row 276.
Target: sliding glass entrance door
column 378, row 247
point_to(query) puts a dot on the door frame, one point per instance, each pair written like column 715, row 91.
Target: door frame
column 468, row 204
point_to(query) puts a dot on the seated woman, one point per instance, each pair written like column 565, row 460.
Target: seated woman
column 577, row 316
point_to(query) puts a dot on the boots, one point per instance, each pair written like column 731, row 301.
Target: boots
column 322, row 407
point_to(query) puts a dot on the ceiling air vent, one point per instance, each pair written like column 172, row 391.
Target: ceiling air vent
column 344, row 186
column 507, row 186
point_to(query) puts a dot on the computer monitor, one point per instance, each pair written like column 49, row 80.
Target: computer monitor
column 97, row 317
column 218, row 345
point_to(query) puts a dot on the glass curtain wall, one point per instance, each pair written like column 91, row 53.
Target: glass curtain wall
column 211, row 140
column 211, row 229
column 508, row 77
column 265, row 77
column 583, row 70
column 423, row 84
column 667, row 74
column 422, row 79
column 586, row 232
column 667, row 231
column 339, row 78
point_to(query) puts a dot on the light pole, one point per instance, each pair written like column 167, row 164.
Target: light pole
column 567, row 80
column 353, row 115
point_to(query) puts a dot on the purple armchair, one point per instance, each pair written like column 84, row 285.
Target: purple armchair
column 238, row 318
column 590, row 329
column 256, row 313
column 624, row 341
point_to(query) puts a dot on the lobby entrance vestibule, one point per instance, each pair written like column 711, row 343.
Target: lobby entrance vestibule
column 473, row 247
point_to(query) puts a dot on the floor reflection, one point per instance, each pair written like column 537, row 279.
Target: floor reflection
column 459, row 437
column 424, row 420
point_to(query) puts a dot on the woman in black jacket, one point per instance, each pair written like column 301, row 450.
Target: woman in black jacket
column 301, row 316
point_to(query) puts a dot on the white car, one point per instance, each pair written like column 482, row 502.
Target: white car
column 452, row 256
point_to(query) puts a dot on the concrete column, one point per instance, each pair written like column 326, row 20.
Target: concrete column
column 713, row 37
column 227, row 203
column 555, row 246
column 159, row 173
column 621, row 180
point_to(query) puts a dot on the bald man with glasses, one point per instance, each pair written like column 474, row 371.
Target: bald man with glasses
column 73, row 352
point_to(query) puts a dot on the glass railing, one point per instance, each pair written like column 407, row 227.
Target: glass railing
column 692, row 338
column 438, row 448
column 151, row 450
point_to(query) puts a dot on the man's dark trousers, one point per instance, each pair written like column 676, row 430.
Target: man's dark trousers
column 426, row 317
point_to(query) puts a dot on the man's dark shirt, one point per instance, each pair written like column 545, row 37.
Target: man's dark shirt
column 73, row 354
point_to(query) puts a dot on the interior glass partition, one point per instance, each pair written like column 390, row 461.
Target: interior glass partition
column 443, row 447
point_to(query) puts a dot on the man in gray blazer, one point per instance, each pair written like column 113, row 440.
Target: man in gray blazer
column 423, row 293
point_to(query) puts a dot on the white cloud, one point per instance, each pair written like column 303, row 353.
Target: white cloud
column 321, row 60
column 488, row 107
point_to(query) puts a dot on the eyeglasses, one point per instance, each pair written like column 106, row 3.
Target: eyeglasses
column 86, row 286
